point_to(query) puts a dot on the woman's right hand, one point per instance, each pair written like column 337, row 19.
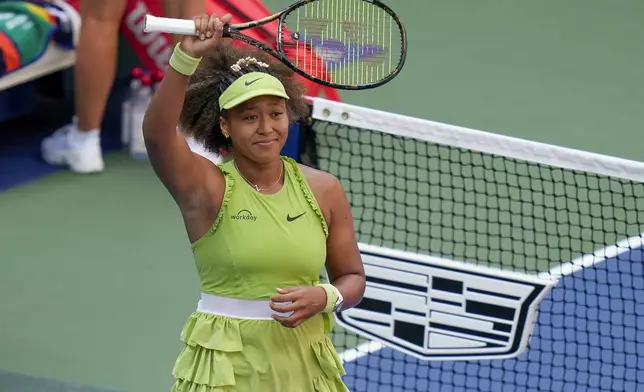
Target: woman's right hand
column 209, row 29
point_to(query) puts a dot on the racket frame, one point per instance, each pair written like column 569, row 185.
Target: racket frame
column 234, row 31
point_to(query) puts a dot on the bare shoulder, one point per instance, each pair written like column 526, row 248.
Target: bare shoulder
column 326, row 188
column 322, row 183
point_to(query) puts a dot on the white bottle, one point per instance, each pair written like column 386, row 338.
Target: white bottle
column 140, row 103
column 126, row 106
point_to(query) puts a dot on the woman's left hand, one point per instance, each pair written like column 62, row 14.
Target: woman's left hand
column 305, row 302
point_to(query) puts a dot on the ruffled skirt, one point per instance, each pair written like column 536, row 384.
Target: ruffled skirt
column 224, row 354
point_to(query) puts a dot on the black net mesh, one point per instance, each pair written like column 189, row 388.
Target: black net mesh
column 496, row 211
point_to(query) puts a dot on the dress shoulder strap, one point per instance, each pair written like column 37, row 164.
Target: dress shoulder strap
column 293, row 168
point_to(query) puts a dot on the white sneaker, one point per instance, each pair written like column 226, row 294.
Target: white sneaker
column 81, row 151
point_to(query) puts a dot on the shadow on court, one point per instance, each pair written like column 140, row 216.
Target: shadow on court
column 11, row 382
column 587, row 338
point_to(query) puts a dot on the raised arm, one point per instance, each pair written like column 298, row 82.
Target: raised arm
column 182, row 172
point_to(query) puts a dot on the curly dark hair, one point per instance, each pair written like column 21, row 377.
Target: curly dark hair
column 201, row 111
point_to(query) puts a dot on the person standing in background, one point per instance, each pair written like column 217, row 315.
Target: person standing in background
column 78, row 145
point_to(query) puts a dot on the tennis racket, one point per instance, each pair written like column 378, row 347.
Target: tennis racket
column 343, row 44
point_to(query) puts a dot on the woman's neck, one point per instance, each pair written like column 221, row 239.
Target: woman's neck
column 262, row 176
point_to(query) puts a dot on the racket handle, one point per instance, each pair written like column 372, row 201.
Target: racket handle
column 169, row 25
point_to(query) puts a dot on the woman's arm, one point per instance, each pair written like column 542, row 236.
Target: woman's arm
column 344, row 263
column 171, row 158
column 179, row 169
column 182, row 172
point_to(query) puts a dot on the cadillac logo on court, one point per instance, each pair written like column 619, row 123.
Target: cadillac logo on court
column 438, row 309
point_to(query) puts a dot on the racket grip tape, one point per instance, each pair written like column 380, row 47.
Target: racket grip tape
column 153, row 24
column 159, row 24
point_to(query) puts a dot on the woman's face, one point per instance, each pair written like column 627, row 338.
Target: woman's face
column 258, row 128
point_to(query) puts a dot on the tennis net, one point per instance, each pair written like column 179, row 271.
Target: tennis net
column 446, row 216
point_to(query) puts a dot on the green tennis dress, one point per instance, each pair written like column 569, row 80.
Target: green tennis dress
column 259, row 243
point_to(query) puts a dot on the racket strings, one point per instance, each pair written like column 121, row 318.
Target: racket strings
column 350, row 42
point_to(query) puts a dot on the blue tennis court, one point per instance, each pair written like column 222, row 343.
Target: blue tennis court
column 586, row 339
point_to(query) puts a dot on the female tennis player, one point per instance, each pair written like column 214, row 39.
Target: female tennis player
column 261, row 226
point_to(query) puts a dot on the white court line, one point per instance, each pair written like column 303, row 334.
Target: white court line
column 554, row 273
column 596, row 257
column 362, row 350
